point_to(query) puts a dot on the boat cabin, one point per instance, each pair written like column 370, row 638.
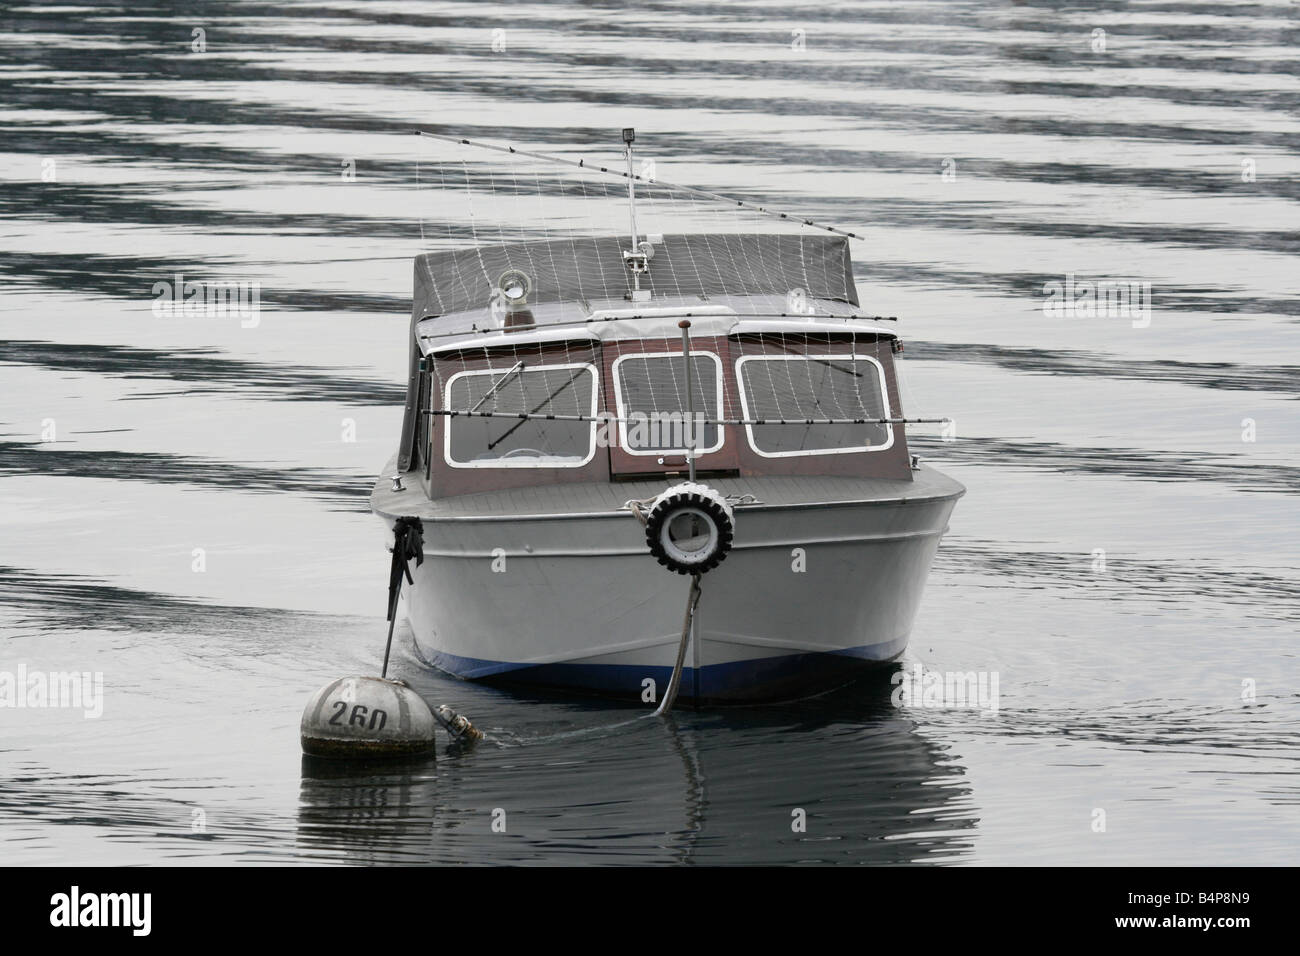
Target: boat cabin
column 547, row 363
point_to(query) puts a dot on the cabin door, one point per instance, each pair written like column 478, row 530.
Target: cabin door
column 645, row 388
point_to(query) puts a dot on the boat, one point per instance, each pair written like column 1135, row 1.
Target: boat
column 670, row 466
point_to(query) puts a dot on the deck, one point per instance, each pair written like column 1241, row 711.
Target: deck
column 607, row 498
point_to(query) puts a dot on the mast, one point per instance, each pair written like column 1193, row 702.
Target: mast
column 637, row 259
column 689, row 431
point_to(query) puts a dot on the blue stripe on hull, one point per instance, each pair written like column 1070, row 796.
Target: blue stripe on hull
column 759, row 679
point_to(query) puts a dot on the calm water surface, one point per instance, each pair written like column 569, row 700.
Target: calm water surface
column 1125, row 558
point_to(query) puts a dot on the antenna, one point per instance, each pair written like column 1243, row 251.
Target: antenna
column 629, row 136
column 638, row 257
column 702, row 193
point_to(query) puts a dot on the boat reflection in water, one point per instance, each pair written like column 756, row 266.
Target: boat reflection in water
column 721, row 787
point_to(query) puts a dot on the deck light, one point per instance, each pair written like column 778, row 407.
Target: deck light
column 514, row 286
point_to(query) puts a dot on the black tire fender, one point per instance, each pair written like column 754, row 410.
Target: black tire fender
column 703, row 500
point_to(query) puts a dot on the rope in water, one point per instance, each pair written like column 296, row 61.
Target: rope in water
column 675, row 682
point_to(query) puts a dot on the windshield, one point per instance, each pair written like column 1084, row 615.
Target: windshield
column 481, row 441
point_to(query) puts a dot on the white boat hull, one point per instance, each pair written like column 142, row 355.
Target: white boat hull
column 810, row 595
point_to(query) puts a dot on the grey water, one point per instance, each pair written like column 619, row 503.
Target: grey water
column 183, row 500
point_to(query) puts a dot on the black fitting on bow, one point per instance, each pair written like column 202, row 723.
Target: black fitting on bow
column 408, row 543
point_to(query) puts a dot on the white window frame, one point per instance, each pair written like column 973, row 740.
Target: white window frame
column 622, row 406
column 804, row 453
column 523, row 462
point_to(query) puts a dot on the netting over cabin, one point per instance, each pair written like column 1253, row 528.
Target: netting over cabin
column 548, row 346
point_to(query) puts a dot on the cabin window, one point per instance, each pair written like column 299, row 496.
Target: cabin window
column 492, row 442
column 651, row 390
column 794, row 388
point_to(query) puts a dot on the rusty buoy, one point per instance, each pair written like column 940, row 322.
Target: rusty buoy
column 367, row 717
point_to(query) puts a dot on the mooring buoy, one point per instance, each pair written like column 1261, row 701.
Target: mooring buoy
column 367, row 717
column 356, row 718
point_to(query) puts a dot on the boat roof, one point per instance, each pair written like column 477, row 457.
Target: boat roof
column 592, row 268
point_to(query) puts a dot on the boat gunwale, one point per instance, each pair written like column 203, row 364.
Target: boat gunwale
column 945, row 489
column 639, row 552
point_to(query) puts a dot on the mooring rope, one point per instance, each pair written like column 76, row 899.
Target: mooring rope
column 674, row 682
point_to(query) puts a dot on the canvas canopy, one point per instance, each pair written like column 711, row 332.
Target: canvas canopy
column 585, row 269
column 566, row 270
